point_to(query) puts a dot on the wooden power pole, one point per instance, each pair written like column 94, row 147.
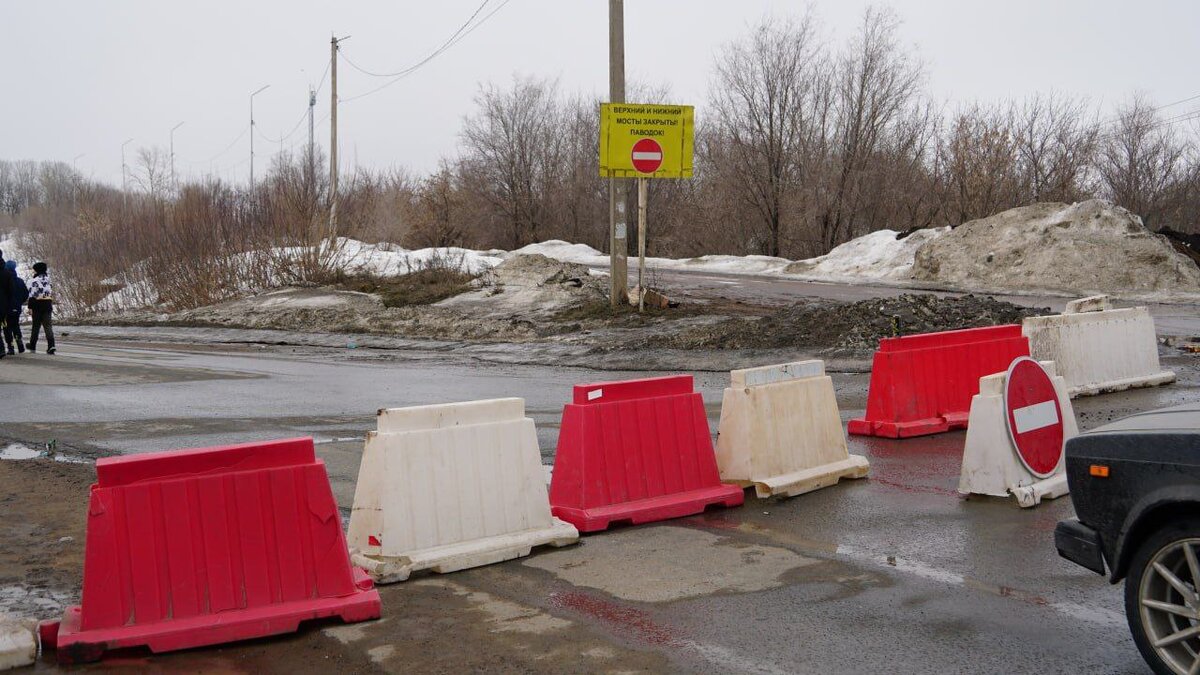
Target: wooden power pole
column 617, row 198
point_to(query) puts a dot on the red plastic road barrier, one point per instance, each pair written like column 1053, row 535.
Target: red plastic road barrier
column 212, row 545
column 923, row 384
column 635, row 451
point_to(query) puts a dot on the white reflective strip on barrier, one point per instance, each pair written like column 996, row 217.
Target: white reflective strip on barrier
column 447, row 415
column 755, row 377
column 1036, row 416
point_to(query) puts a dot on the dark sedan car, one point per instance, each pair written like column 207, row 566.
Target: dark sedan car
column 1136, row 488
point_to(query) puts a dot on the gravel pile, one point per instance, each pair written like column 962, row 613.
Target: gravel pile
column 847, row 327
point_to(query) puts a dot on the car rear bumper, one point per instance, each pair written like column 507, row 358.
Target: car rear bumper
column 1080, row 544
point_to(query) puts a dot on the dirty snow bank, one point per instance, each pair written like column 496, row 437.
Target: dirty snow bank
column 387, row 260
column 583, row 254
column 529, row 285
column 879, row 255
column 350, row 256
column 1082, row 248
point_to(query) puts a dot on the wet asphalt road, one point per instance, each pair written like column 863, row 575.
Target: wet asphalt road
column 896, row 573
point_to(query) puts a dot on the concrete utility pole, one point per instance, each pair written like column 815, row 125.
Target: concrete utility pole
column 174, row 182
column 124, row 185
column 618, row 265
column 309, row 169
column 260, row 90
column 333, row 146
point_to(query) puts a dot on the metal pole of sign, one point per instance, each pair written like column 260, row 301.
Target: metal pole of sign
column 642, row 189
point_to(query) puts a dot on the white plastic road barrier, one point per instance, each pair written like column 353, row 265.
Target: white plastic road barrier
column 447, row 487
column 18, row 643
column 991, row 465
column 781, row 431
column 1098, row 349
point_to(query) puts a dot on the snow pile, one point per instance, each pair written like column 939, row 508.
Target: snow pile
column 1082, row 248
column 386, row 260
column 557, row 249
column 11, row 246
column 879, row 255
column 729, row 264
column 350, row 256
column 583, row 254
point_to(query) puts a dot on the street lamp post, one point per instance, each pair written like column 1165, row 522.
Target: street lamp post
column 174, row 182
column 260, row 90
column 124, row 185
column 75, row 179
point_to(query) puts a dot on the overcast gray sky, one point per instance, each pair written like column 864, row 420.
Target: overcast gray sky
column 81, row 77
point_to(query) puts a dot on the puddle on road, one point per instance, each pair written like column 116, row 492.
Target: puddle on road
column 17, row 451
column 33, row 603
column 691, row 563
column 20, row 452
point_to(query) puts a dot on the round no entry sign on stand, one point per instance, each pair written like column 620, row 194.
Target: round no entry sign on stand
column 1034, row 416
column 647, row 155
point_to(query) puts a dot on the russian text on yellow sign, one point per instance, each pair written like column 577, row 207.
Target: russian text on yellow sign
column 623, row 124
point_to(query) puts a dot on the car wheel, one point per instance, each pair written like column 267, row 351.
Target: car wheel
column 1162, row 598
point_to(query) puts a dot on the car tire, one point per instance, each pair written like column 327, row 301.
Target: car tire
column 1155, row 626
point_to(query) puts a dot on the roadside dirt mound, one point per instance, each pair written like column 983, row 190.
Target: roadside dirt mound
column 529, row 286
column 1082, row 248
column 854, row 327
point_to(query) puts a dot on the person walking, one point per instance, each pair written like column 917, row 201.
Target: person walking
column 12, row 320
column 41, row 307
column 6, row 295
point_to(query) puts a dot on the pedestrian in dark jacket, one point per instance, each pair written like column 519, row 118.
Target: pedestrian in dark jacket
column 6, row 294
column 41, row 307
column 12, row 321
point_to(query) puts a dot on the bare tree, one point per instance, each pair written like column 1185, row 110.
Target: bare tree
column 152, row 172
column 1140, row 161
column 767, row 113
column 976, row 165
column 877, row 83
column 1056, row 144
column 514, row 151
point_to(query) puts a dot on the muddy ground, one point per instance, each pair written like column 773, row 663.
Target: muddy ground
column 535, row 299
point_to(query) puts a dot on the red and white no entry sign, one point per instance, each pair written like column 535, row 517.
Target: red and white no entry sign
column 647, row 155
column 1034, row 416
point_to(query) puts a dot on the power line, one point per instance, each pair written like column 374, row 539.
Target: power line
column 422, row 62
column 289, row 134
column 227, row 148
column 323, row 76
column 1193, row 114
column 458, row 36
column 1117, row 118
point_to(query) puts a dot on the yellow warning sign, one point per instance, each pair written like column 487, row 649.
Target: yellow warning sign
column 646, row 140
